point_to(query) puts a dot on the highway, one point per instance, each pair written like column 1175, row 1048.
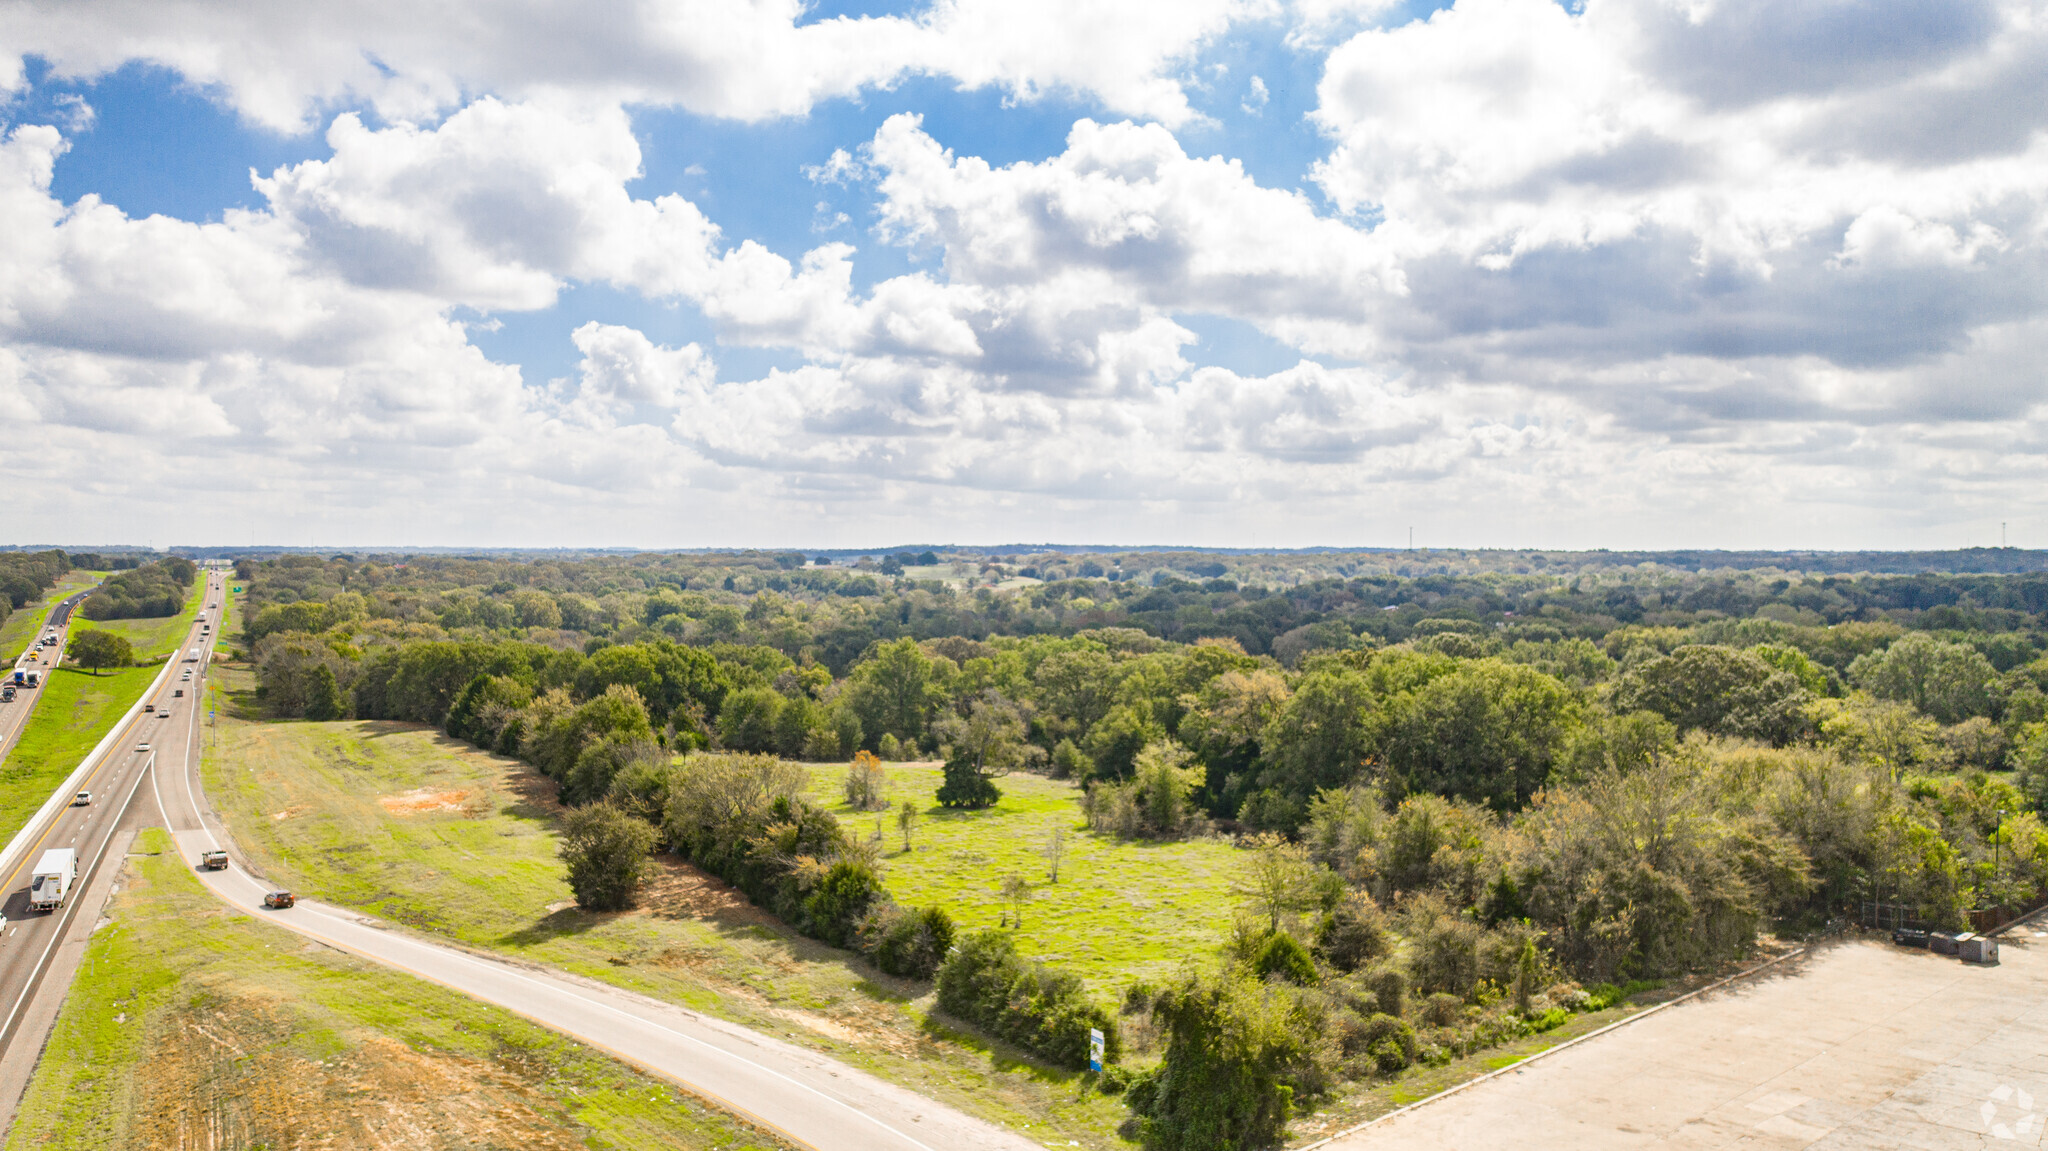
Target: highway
column 39, row 949
column 14, row 714
column 807, row 1098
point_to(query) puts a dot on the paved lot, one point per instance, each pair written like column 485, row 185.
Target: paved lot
column 1858, row 1045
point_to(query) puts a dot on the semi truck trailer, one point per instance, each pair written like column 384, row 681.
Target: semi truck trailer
column 55, row 872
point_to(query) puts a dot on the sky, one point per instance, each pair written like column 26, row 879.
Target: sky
column 1250, row 273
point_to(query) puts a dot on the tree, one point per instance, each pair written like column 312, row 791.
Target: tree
column 1278, row 880
column 892, row 690
column 988, row 742
column 1949, row 681
column 747, row 722
column 1319, row 737
column 604, row 850
column 865, row 783
column 1717, row 690
column 324, row 700
column 1055, row 849
column 1016, row 892
column 96, row 649
column 906, row 821
column 1489, row 731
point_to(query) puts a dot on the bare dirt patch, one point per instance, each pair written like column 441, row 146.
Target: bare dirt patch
column 673, row 889
column 228, row 1076
column 292, row 812
column 422, row 801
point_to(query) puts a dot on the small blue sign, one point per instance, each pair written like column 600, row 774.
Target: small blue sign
column 1094, row 1049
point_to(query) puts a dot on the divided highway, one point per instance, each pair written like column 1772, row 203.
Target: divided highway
column 35, row 945
column 807, row 1098
column 14, row 713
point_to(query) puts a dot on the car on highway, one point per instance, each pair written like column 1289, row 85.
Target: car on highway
column 82, row 799
column 178, row 694
column 213, row 860
column 147, row 708
column 279, row 899
column 7, row 694
column 144, row 746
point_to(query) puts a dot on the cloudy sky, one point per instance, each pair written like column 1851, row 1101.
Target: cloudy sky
column 1628, row 273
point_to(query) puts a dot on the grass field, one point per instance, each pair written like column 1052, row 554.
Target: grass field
column 1122, row 911
column 406, row 824
column 193, row 1026
column 152, row 639
column 26, row 622
column 75, row 710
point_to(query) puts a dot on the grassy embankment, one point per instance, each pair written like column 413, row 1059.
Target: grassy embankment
column 419, row 829
column 26, row 622
column 191, row 1025
column 1121, row 911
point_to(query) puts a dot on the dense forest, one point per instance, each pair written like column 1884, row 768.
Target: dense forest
column 25, row 576
column 1473, row 796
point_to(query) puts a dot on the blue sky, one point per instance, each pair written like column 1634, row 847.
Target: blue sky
column 1225, row 272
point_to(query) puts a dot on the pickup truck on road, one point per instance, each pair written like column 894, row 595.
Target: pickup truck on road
column 213, row 860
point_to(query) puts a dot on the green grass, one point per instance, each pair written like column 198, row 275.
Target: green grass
column 303, row 803
column 152, row 639
column 76, row 708
column 1122, row 911
column 191, row 1025
column 26, row 622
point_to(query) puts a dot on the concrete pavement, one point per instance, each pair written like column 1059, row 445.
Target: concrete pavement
column 1857, row 1045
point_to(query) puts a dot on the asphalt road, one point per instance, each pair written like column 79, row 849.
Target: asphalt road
column 808, row 1098
column 30, row 941
column 14, row 714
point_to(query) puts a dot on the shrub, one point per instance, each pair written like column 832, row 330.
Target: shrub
column 985, row 982
column 865, row 783
column 1353, row 934
column 1284, row 956
column 908, row 943
column 834, row 908
column 1389, row 1043
column 1389, row 987
column 1442, row 1009
column 604, row 849
column 1236, row 1050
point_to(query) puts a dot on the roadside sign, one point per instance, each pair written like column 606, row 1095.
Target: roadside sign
column 1094, row 1049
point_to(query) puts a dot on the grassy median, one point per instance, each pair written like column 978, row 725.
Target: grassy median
column 193, row 1026
column 152, row 639
column 409, row 825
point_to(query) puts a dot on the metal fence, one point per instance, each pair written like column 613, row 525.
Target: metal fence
column 1891, row 917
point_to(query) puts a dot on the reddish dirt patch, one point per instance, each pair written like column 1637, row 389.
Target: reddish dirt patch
column 420, row 801
column 673, row 889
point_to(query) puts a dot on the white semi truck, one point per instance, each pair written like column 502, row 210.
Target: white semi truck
column 55, row 872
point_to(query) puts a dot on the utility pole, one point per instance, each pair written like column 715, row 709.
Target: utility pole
column 1411, row 539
